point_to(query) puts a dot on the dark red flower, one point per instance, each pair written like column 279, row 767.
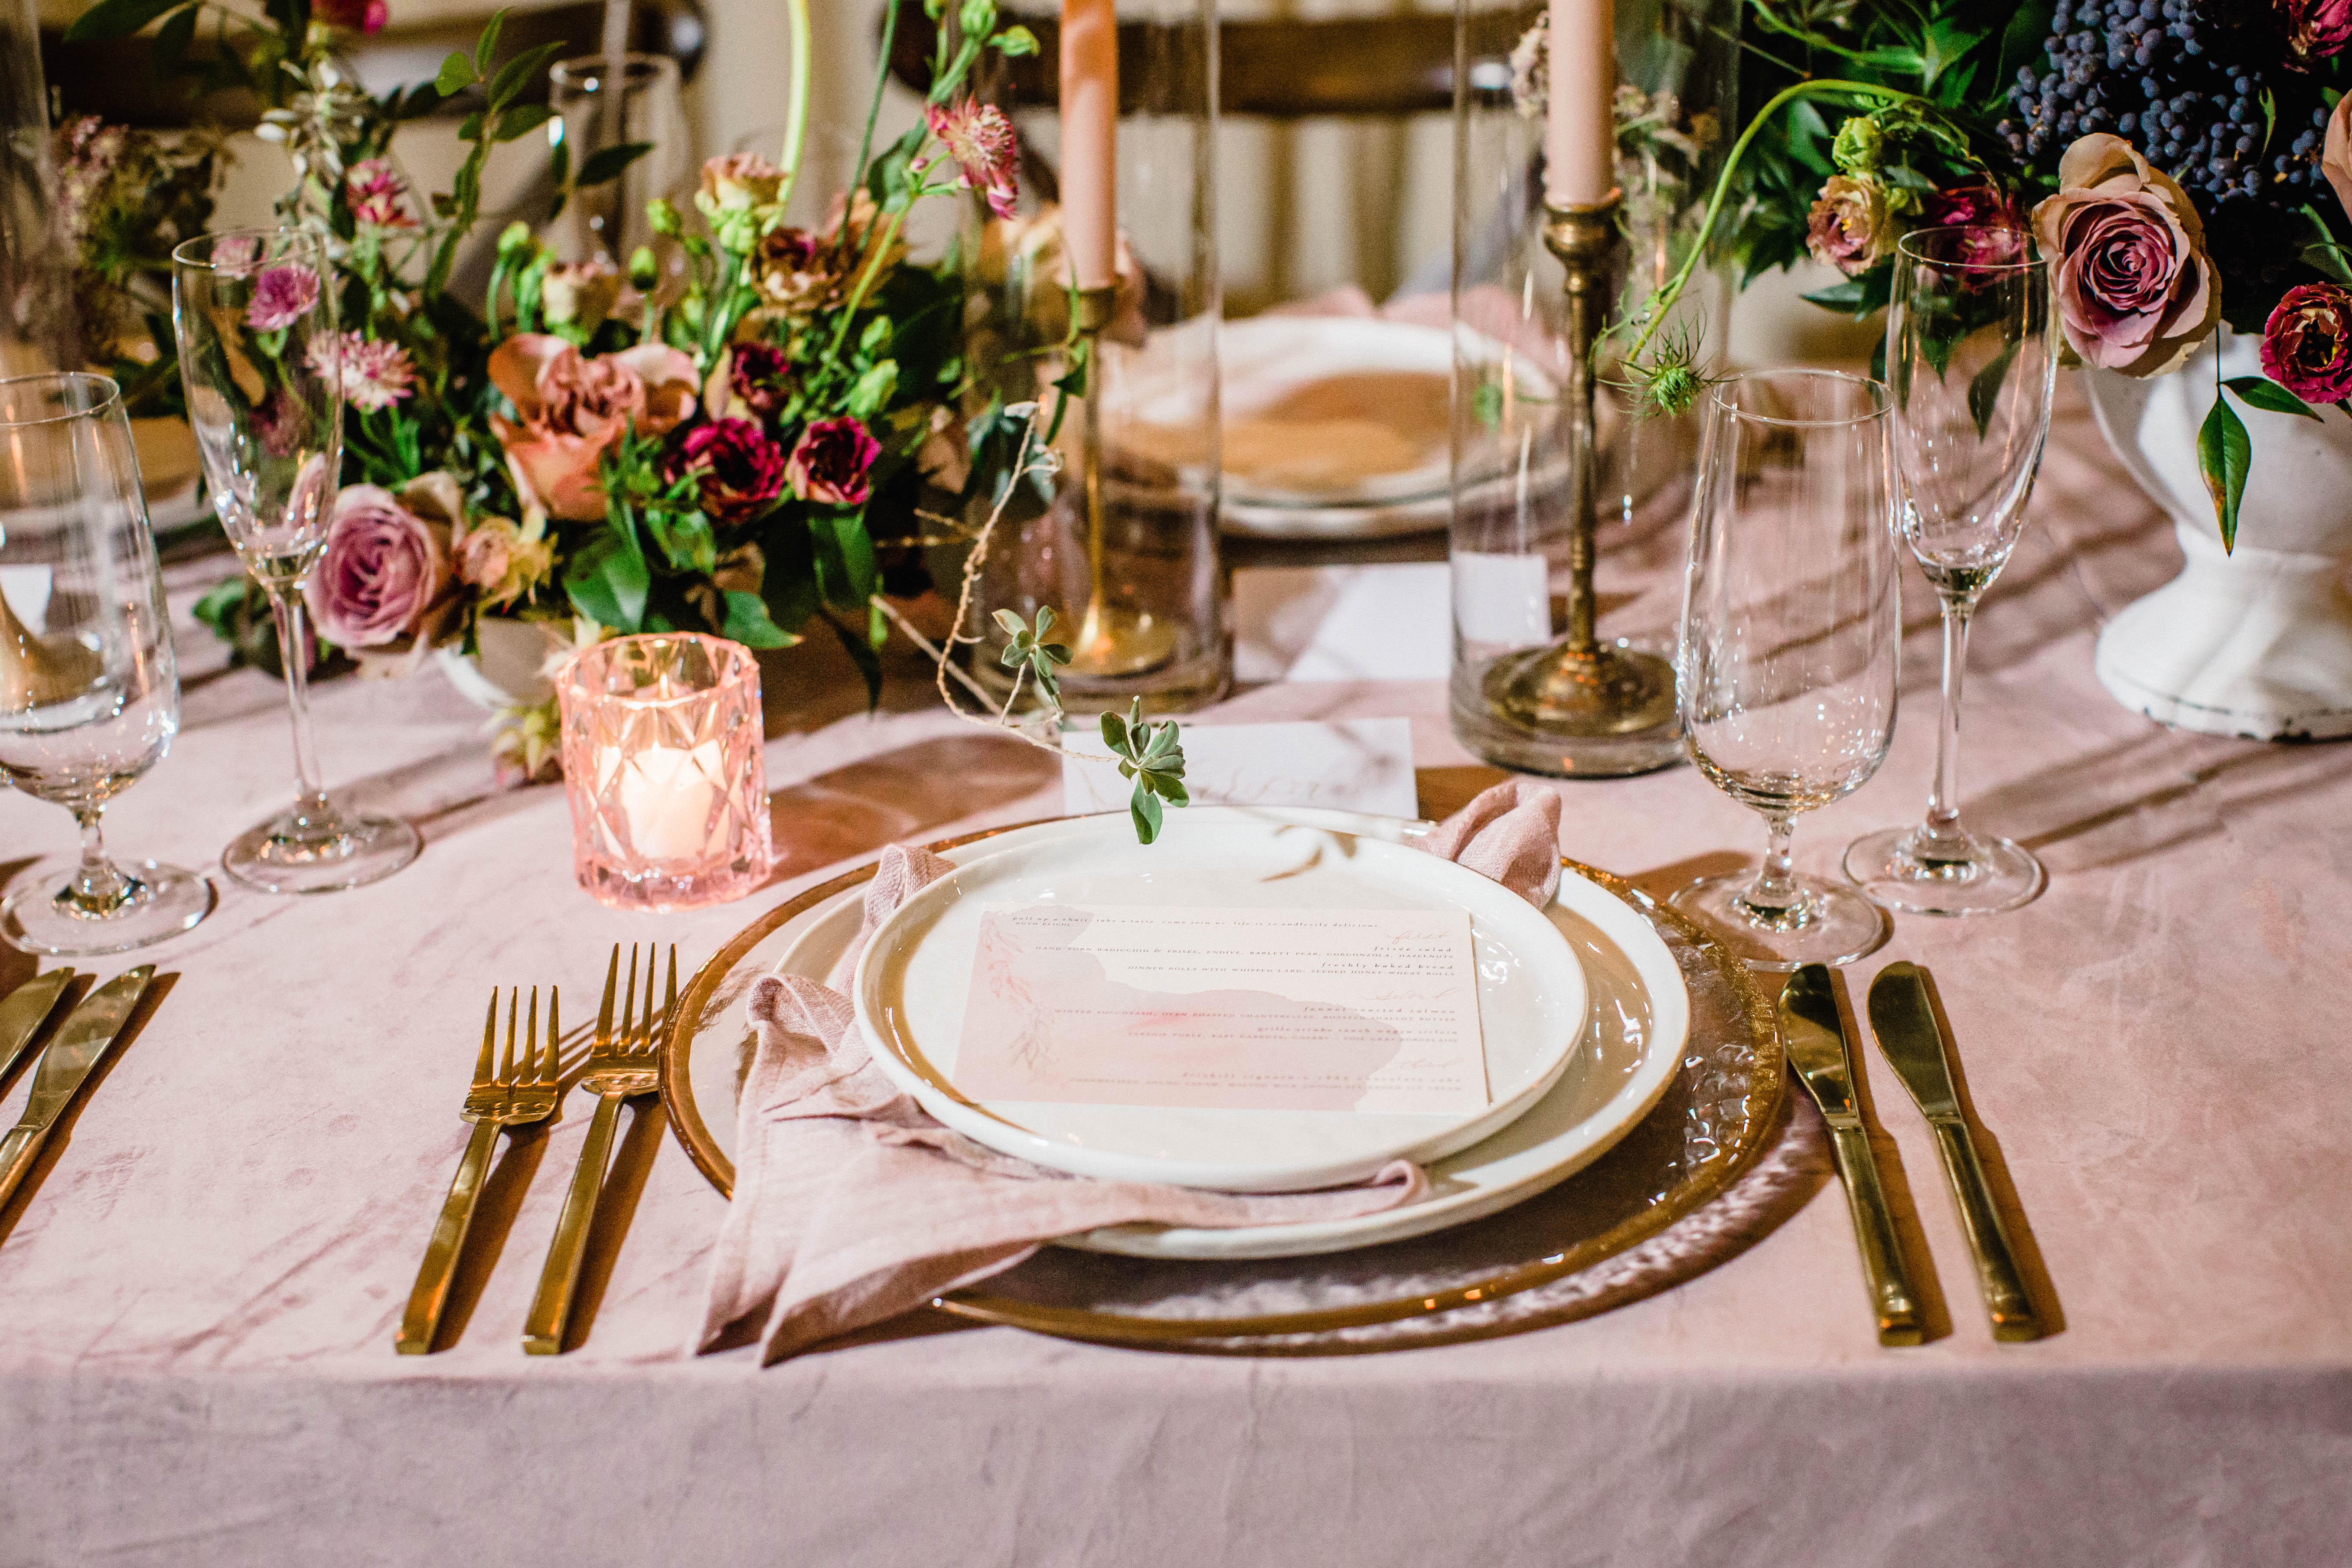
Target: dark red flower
column 2314, row 30
column 738, row 469
column 352, row 15
column 762, row 375
column 832, row 462
column 2307, row 343
column 1998, row 222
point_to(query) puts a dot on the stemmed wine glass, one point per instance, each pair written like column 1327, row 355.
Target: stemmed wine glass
column 254, row 311
column 89, row 691
column 1972, row 359
column 1791, row 633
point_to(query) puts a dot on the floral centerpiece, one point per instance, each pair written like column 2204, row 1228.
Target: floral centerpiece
column 2183, row 165
column 729, row 447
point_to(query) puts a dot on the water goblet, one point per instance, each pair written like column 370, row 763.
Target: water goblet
column 89, row 691
column 1971, row 360
column 1791, row 632
column 254, row 311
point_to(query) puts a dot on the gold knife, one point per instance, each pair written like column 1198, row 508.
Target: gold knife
column 28, row 1007
column 1914, row 1044
column 1815, row 1038
column 77, row 1048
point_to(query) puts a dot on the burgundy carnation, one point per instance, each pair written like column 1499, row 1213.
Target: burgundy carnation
column 2307, row 343
column 1996, row 220
column 832, row 462
column 739, row 470
column 762, row 375
column 2314, row 30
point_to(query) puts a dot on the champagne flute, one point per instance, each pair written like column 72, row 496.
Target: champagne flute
column 1792, row 634
column 89, row 691
column 254, row 311
column 1972, row 357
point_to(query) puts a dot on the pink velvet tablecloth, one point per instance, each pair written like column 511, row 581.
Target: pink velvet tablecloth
column 198, row 1299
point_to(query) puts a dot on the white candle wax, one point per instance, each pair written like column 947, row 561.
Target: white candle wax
column 666, row 797
column 1580, row 129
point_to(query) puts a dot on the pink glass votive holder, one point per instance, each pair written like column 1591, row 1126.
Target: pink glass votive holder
column 662, row 763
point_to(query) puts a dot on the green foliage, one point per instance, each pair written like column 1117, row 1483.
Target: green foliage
column 1150, row 755
column 1026, row 647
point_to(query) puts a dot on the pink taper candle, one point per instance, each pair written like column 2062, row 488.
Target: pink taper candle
column 1090, row 140
column 1581, row 131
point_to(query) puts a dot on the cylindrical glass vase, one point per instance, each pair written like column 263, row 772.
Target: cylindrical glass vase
column 663, row 766
column 1129, row 563
column 1520, row 588
column 607, row 222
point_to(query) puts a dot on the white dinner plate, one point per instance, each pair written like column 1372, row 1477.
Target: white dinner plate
column 915, row 977
column 1640, row 1019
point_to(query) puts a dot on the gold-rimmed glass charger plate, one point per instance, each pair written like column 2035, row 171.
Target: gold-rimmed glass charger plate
column 1716, row 1111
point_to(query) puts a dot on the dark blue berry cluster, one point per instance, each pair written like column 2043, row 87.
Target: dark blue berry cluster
column 2183, row 80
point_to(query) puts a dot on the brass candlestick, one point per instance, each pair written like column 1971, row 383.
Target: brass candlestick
column 1112, row 641
column 1593, row 706
column 35, row 673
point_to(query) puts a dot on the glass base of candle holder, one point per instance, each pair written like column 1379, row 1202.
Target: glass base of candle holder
column 1993, row 877
column 1831, row 923
column 1114, row 643
column 651, row 891
column 1552, row 710
column 167, row 900
column 294, row 853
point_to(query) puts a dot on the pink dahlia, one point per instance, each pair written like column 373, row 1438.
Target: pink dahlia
column 981, row 140
column 284, row 294
column 378, row 195
column 374, row 374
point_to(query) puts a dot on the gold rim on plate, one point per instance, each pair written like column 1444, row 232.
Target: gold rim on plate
column 1699, row 1185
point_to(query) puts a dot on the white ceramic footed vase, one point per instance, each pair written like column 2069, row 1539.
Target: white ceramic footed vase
column 509, row 669
column 2256, row 642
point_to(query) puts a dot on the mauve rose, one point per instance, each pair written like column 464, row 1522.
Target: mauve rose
column 2136, row 291
column 762, row 375
column 2314, row 30
column 1848, row 227
column 832, row 461
column 386, row 563
column 571, row 409
column 2307, row 343
column 739, row 469
column 2335, row 154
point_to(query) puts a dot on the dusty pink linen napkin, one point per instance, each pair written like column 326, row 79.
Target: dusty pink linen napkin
column 852, row 1205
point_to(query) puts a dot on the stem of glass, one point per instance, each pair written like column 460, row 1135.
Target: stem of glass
column 1941, row 840
column 1774, row 898
column 312, row 814
column 98, row 888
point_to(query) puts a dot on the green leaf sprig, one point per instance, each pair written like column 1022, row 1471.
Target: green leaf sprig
column 1026, row 650
column 1153, row 757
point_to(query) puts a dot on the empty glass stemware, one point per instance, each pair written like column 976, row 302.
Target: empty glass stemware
column 254, row 311
column 1791, row 632
column 89, row 691
column 1971, row 360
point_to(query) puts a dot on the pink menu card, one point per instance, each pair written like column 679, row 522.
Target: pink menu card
column 1241, row 1009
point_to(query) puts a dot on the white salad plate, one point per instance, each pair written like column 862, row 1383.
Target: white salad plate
column 1638, row 1018
column 1337, row 426
column 915, row 977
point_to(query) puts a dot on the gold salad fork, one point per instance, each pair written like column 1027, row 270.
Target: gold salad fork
column 623, row 1063
column 522, row 1091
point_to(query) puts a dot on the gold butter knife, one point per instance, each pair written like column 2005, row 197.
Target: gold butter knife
column 79, row 1047
column 28, row 1007
column 1816, row 1042
column 1913, row 1041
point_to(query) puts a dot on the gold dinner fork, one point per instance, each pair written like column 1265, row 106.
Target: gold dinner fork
column 519, row 1093
column 623, row 1063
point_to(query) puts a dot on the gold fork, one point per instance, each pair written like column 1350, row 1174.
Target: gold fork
column 622, row 1064
column 521, row 1091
